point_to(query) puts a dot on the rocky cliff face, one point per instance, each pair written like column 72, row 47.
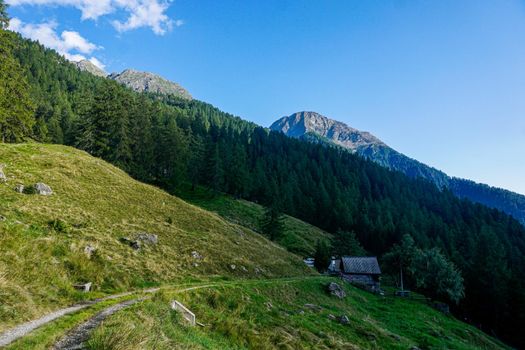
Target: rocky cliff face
column 315, row 127
column 149, row 82
column 301, row 123
column 87, row 66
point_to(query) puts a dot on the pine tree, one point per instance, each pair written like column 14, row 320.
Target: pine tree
column 16, row 108
column 346, row 243
column 272, row 223
column 322, row 256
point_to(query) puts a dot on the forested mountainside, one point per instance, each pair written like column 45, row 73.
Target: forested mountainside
column 168, row 141
column 315, row 127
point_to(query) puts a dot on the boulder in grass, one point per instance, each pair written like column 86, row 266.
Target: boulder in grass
column 3, row 178
column 147, row 238
column 195, row 255
column 43, row 189
column 89, row 250
column 19, row 188
column 344, row 319
column 336, row 290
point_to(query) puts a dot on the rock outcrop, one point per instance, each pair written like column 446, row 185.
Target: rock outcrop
column 89, row 67
column 336, row 290
column 42, row 189
column 149, row 82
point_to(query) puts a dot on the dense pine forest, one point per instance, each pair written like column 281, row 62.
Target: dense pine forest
column 173, row 142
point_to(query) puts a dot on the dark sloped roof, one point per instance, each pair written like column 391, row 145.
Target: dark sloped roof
column 361, row 264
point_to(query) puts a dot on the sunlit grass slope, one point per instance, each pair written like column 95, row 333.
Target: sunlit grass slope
column 273, row 315
column 299, row 237
column 43, row 238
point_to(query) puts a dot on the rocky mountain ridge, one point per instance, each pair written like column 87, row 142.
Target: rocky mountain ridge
column 149, row 82
column 314, row 127
column 88, row 66
column 137, row 80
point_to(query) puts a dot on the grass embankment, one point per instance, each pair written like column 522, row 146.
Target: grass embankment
column 273, row 316
column 43, row 238
column 299, row 237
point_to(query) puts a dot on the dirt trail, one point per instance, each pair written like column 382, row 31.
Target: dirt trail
column 22, row 330
column 75, row 338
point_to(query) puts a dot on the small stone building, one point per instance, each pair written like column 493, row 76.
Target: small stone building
column 361, row 270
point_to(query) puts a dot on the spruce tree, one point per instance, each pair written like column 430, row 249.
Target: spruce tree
column 272, row 222
column 322, row 256
column 16, row 108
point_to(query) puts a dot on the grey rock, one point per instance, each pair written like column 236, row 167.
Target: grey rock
column 89, row 67
column 233, row 267
column 147, row 238
column 3, row 178
column 244, row 269
column 2, row 218
column 43, row 189
column 89, row 250
column 332, row 317
column 19, row 188
column 195, row 255
column 148, row 82
column 336, row 290
column 344, row 319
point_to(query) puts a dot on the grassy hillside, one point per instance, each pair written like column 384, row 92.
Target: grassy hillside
column 273, row 315
column 299, row 237
column 43, row 238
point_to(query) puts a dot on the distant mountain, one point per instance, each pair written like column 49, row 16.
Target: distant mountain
column 87, row 66
column 315, row 127
column 149, row 82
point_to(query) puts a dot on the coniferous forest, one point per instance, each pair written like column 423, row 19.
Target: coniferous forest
column 170, row 142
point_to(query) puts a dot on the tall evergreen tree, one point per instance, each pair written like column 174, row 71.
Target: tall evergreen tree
column 322, row 256
column 16, row 108
column 346, row 243
column 272, row 224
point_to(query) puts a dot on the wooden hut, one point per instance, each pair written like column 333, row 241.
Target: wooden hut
column 363, row 270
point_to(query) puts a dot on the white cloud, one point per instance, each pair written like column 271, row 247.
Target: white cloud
column 140, row 13
column 69, row 44
column 179, row 22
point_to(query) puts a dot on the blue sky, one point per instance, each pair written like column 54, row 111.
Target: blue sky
column 441, row 81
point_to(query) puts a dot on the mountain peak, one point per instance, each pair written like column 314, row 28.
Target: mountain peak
column 149, row 82
column 305, row 122
column 88, row 66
